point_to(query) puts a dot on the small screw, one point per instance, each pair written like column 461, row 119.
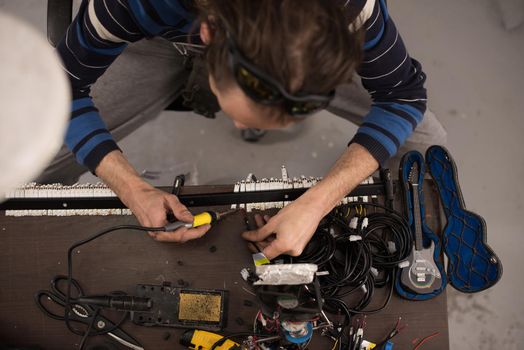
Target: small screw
column 212, row 249
column 493, row 260
column 101, row 324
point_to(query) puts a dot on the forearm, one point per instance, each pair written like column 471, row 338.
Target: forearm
column 355, row 165
column 120, row 176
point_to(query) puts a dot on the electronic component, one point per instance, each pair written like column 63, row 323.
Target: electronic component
column 287, row 308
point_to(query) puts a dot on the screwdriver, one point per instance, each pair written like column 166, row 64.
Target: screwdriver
column 204, row 218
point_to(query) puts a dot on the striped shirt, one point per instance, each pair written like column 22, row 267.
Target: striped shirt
column 103, row 28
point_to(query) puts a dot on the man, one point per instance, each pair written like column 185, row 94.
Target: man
column 271, row 63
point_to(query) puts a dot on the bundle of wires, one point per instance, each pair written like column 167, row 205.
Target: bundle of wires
column 361, row 252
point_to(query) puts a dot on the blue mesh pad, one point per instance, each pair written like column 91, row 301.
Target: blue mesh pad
column 472, row 264
column 405, row 166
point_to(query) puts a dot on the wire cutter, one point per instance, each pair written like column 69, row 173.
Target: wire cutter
column 80, row 313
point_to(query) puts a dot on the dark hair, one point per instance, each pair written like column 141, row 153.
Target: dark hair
column 305, row 45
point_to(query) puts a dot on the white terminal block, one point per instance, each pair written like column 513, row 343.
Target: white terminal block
column 288, row 184
column 256, row 187
column 53, row 191
column 250, row 187
column 32, row 190
column 264, row 186
column 272, row 186
column 281, row 186
column 304, row 181
column 236, row 188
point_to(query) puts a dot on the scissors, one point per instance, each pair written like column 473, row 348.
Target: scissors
column 81, row 313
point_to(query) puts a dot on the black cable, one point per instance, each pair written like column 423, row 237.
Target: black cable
column 70, row 279
column 88, row 330
column 363, row 258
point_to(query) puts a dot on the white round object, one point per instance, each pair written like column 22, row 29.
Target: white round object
column 35, row 103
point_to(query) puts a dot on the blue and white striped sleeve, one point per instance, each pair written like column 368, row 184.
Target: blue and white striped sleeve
column 98, row 35
column 395, row 82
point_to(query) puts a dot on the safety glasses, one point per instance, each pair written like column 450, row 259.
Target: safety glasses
column 263, row 89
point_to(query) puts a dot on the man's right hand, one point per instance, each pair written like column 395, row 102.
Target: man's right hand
column 149, row 204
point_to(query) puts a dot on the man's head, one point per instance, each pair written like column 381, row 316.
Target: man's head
column 305, row 46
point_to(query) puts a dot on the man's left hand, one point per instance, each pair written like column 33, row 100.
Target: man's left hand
column 288, row 232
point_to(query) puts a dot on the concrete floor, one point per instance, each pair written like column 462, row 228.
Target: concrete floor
column 475, row 72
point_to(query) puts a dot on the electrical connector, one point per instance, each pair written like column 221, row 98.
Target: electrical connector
column 374, row 272
column 245, row 274
column 353, row 224
column 392, row 247
column 365, row 223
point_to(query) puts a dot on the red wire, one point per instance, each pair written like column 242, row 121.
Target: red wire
column 425, row 340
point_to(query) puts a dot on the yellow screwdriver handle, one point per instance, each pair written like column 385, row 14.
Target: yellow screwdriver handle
column 202, row 219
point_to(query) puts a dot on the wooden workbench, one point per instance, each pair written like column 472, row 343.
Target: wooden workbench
column 34, row 251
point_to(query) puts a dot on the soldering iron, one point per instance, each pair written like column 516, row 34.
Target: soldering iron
column 204, row 218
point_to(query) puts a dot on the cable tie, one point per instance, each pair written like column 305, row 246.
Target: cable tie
column 354, row 238
column 322, row 273
column 365, row 223
column 364, row 288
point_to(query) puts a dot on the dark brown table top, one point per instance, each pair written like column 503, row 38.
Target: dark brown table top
column 34, row 251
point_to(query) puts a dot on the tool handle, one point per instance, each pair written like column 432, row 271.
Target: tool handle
column 204, row 218
column 122, row 302
column 201, row 219
column 173, row 226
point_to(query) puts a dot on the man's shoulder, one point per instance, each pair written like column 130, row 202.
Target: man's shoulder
column 359, row 11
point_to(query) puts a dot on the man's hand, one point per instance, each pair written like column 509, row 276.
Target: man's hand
column 290, row 230
column 149, row 204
